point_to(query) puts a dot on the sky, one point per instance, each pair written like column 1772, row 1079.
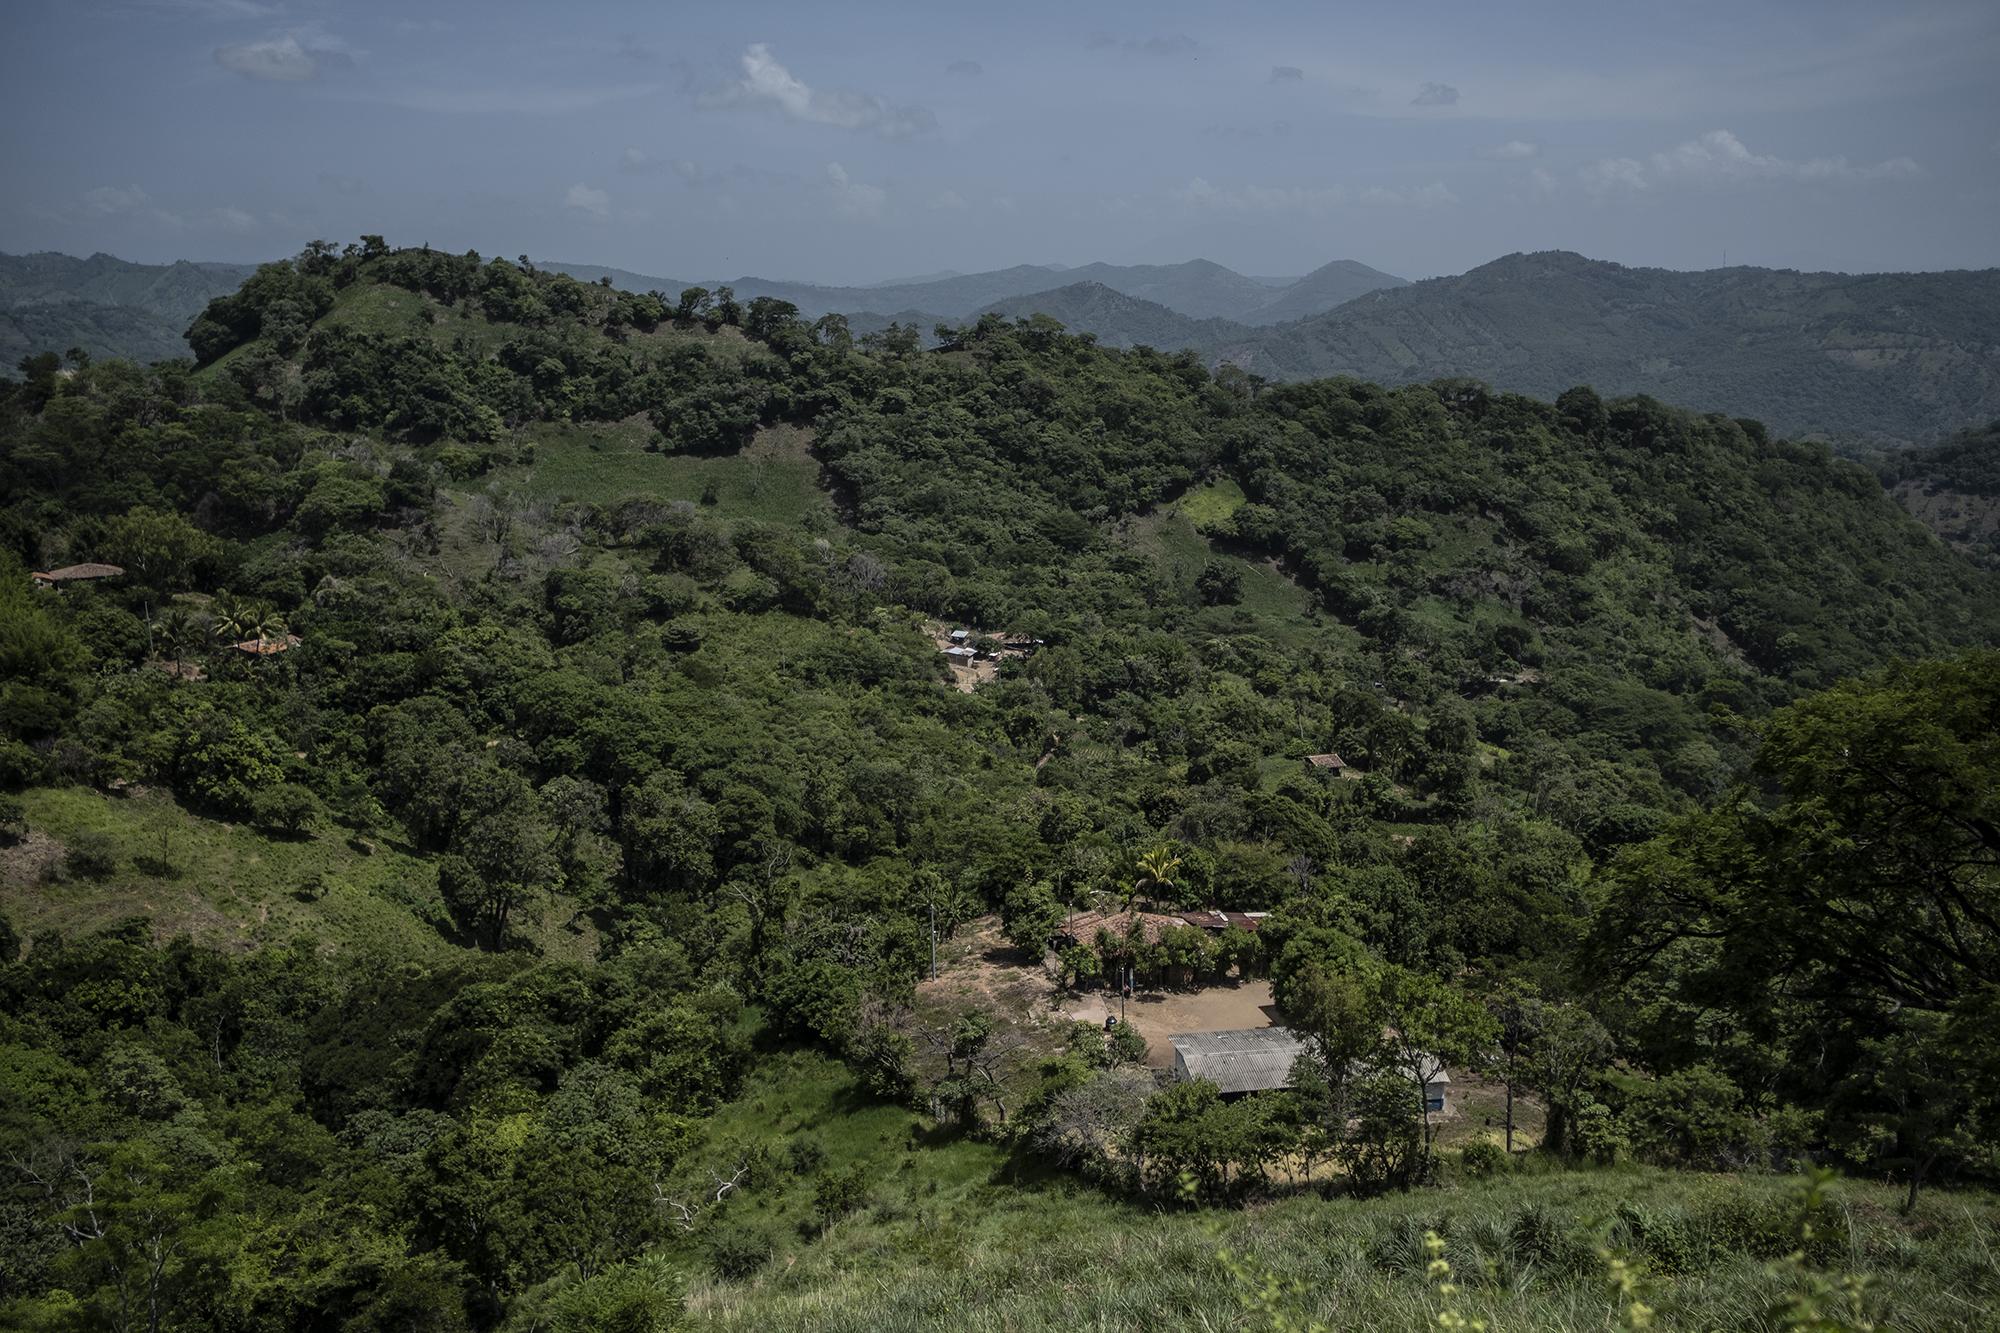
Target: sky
column 860, row 142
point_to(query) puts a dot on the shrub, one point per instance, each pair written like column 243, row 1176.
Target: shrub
column 736, row 1251
column 805, row 1155
column 838, row 1193
column 90, row 855
column 13, row 821
column 1482, row 1158
column 287, row 808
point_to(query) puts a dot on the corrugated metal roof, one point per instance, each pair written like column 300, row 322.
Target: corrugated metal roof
column 1242, row 1060
column 1260, row 1059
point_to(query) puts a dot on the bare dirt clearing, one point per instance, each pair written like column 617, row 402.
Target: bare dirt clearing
column 1160, row 1014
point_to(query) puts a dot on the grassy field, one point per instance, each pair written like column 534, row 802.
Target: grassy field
column 773, row 480
column 231, row 886
column 955, row 1235
column 1270, row 605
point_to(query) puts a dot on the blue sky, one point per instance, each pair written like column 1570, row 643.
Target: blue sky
column 857, row 142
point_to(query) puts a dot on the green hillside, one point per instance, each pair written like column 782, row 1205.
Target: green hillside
column 1954, row 489
column 508, row 852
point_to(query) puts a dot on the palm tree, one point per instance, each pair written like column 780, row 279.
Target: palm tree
column 229, row 617
column 265, row 621
column 176, row 631
column 1156, row 872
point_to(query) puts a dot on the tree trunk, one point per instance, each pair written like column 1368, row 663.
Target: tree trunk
column 1917, row 1174
column 1510, row 1116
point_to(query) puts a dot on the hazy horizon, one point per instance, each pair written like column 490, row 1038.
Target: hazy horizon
column 873, row 143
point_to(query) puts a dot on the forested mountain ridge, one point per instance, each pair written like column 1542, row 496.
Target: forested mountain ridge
column 1199, row 289
column 532, row 688
column 1897, row 358
column 107, row 306
column 1114, row 318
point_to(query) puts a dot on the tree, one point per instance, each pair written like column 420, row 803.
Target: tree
column 1155, row 876
column 1923, row 1103
column 1564, row 1051
column 1339, row 1012
column 1513, row 1031
column 504, row 860
column 1431, row 1026
column 287, row 807
column 1032, row 916
column 1179, row 1131
column 161, row 548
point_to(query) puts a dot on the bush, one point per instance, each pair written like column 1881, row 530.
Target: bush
column 805, row 1155
column 286, row 808
column 13, row 821
column 838, row 1193
column 736, row 1251
column 1482, row 1158
column 90, row 855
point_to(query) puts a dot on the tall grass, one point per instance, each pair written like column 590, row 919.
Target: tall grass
column 955, row 1237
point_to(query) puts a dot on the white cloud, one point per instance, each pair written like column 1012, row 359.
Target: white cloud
column 851, row 199
column 234, row 219
column 1435, row 94
column 290, row 57
column 1313, row 200
column 112, row 199
column 278, row 59
column 1514, row 150
column 949, row 201
column 768, row 83
column 1719, row 158
column 585, row 199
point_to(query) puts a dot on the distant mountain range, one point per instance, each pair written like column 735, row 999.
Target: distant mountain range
column 107, row 306
column 1199, row 289
column 1866, row 361
column 1895, row 358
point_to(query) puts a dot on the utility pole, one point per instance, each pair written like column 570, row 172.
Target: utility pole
column 933, row 941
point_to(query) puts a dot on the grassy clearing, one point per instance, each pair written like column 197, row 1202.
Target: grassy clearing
column 1000, row 1255
column 229, row 886
column 1212, row 503
column 959, row 1235
column 1275, row 604
column 773, row 480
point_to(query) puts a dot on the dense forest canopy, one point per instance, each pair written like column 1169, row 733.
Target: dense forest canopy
column 514, row 759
